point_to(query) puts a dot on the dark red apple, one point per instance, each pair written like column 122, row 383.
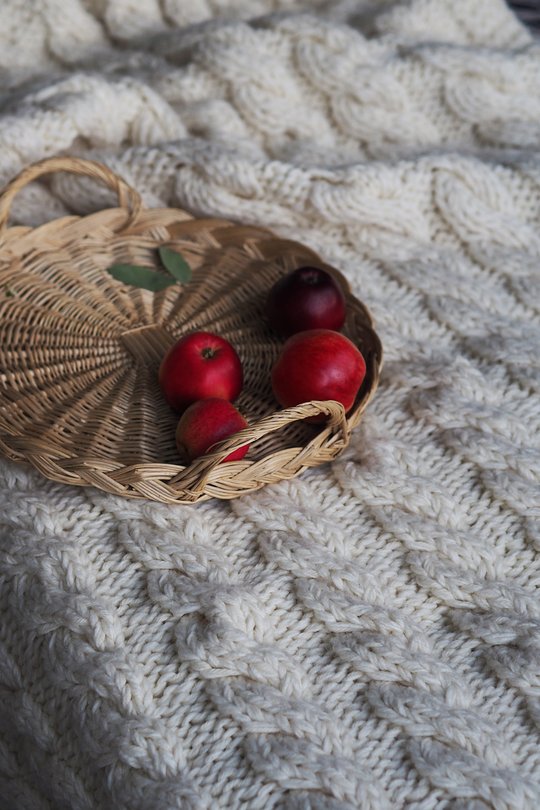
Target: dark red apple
column 198, row 366
column 307, row 298
column 207, row 422
column 318, row 364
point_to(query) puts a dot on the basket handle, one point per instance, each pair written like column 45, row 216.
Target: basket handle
column 127, row 196
column 203, row 467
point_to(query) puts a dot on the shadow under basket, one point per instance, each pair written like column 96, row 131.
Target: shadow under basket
column 80, row 351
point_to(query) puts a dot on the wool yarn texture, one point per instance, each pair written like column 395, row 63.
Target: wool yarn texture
column 367, row 635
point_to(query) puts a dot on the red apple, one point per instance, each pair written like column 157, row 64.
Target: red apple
column 307, row 298
column 207, row 422
column 198, row 366
column 318, row 364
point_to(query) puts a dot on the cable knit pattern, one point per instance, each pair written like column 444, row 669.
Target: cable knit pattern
column 367, row 636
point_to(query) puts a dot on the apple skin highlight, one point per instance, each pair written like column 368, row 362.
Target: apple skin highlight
column 199, row 366
column 318, row 364
column 206, row 423
column 306, row 298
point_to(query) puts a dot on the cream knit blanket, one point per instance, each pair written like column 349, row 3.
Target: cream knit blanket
column 367, row 635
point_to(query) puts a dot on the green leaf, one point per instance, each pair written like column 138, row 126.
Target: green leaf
column 175, row 264
column 143, row 277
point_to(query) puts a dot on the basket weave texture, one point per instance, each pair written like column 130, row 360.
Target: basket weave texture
column 80, row 351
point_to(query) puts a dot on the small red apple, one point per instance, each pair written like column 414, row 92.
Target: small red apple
column 198, row 366
column 307, row 298
column 207, row 422
column 318, row 364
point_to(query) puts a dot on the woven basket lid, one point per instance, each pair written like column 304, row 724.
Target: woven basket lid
column 80, row 351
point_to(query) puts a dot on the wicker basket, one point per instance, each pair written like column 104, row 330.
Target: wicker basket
column 79, row 350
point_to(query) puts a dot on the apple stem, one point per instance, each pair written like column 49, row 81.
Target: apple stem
column 208, row 352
